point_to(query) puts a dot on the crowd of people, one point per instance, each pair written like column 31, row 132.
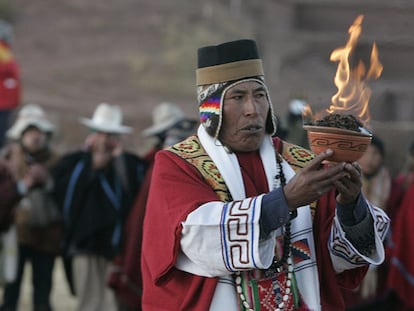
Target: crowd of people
column 86, row 206
column 220, row 214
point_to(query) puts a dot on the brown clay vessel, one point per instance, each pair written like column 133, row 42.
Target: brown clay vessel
column 348, row 146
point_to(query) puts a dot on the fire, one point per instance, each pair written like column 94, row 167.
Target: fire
column 353, row 95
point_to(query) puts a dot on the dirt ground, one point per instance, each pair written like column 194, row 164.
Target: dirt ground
column 61, row 298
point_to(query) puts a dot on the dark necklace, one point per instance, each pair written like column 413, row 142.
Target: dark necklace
column 277, row 264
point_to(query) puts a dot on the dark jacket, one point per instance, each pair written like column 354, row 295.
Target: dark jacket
column 96, row 203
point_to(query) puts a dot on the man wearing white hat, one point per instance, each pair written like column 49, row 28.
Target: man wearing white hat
column 30, row 159
column 96, row 187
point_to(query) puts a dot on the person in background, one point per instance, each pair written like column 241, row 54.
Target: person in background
column 10, row 85
column 376, row 187
column 376, row 179
column 291, row 127
column 11, row 192
column 30, row 158
column 401, row 268
column 169, row 126
column 95, row 188
column 406, row 176
column 401, row 183
column 245, row 221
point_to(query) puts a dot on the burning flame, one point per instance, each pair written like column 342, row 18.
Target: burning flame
column 353, row 95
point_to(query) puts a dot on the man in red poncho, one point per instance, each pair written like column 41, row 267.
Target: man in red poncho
column 238, row 220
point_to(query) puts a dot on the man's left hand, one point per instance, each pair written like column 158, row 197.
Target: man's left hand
column 349, row 187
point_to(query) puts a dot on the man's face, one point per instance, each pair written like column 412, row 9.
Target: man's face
column 245, row 109
column 371, row 161
column 103, row 147
column 103, row 142
column 33, row 139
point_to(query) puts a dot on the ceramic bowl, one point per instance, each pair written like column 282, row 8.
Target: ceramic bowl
column 348, row 146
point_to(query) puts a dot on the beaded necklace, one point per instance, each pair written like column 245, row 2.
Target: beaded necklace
column 277, row 265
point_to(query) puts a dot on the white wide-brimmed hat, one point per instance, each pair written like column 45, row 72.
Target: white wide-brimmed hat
column 106, row 118
column 30, row 115
column 164, row 116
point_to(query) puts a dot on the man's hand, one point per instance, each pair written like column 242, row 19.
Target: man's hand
column 103, row 147
column 349, row 187
column 36, row 175
column 314, row 180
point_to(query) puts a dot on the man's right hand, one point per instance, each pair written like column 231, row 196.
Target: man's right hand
column 314, row 180
column 103, row 147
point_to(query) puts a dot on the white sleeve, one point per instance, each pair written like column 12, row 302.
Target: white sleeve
column 345, row 256
column 220, row 238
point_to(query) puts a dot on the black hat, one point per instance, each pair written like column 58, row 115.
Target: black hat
column 228, row 61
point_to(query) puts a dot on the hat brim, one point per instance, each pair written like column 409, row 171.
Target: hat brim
column 159, row 128
column 16, row 131
column 119, row 129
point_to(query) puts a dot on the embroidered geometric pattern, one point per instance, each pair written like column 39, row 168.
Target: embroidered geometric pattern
column 236, row 233
column 300, row 251
column 266, row 296
column 341, row 248
column 266, row 290
column 382, row 225
column 296, row 156
column 193, row 152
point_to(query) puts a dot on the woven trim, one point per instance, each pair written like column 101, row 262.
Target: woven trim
column 193, row 152
column 229, row 72
column 210, row 107
column 296, row 156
